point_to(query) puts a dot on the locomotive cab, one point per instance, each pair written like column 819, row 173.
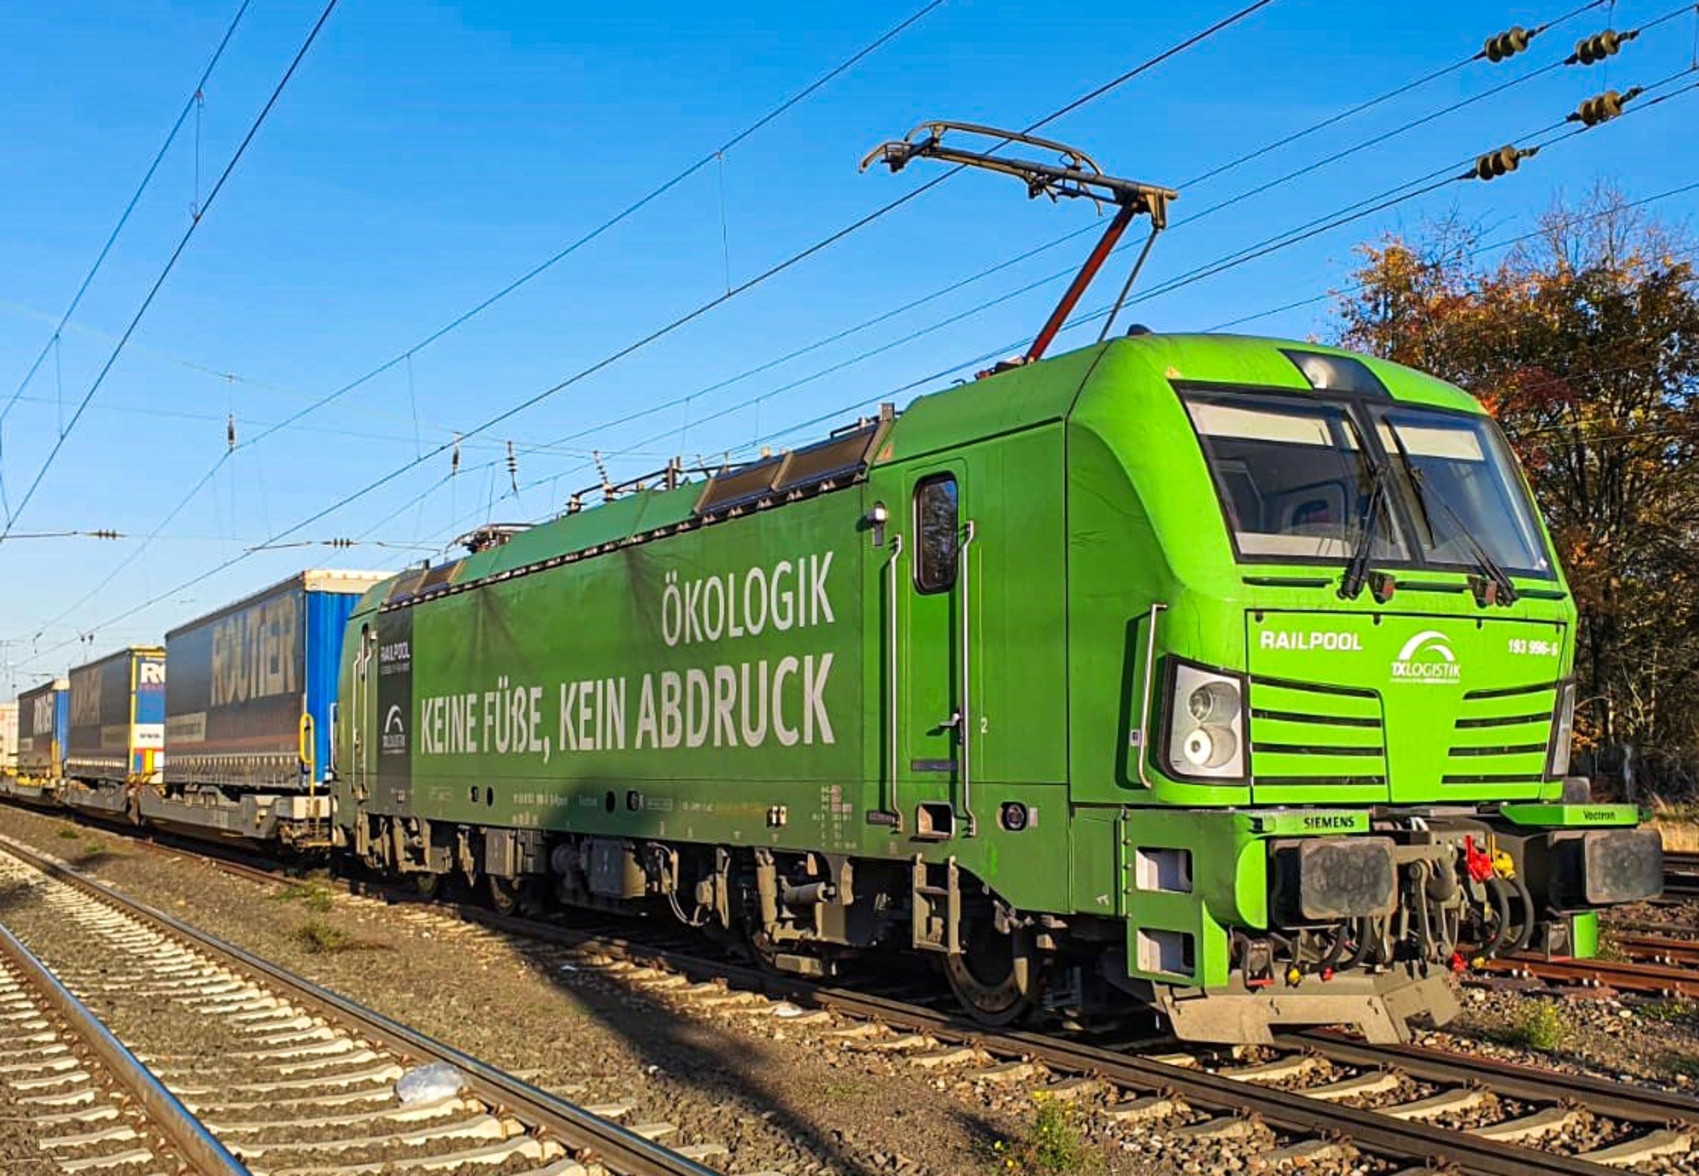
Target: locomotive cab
column 1346, row 695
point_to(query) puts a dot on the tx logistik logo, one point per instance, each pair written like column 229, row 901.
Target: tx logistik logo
column 394, row 732
column 1427, row 658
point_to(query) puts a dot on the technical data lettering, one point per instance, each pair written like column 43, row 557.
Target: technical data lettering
column 771, row 701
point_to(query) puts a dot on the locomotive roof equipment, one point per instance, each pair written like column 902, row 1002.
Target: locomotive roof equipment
column 1076, row 175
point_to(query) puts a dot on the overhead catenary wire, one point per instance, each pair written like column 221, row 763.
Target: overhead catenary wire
column 170, row 264
column 1379, row 99
column 1431, row 181
column 1325, row 122
column 293, row 419
column 195, row 97
column 1582, row 9
column 1476, row 251
column 1329, row 224
column 617, row 218
column 1209, row 210
column 227, row 378
column 1213, row 29
column 792, row 260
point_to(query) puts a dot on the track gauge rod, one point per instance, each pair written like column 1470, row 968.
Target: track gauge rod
column 1075, row 174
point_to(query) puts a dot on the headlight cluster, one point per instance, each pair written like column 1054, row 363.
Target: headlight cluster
column 1563, row 732
column 1207, row 729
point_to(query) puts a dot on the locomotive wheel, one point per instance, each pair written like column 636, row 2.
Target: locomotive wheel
column 995, row 977
column 763, row 950
column 504, row 895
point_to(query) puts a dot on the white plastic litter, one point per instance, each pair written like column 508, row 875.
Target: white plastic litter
column 428, row 1084
column 787, row 1010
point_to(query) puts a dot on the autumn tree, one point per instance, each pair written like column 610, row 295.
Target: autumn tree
column 1583, row 341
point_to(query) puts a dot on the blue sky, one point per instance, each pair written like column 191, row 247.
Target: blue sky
column 424, row 156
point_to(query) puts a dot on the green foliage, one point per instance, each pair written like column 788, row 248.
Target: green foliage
column 312, row 894
column 1540, row 1025
column 1674, row 1011
column 1583, row 341
column 1680, row 1064
column 69, row 834
column 1052, row 1143
column 319, row 937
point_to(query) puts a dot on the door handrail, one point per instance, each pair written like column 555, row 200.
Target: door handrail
column 965, row 729
column 893, row 671
column 1156, row 610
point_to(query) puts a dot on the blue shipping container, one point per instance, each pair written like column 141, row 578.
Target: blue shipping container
column 250, row 689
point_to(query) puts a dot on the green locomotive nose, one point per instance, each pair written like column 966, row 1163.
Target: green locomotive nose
column 1393, row 708
column 1225, row 676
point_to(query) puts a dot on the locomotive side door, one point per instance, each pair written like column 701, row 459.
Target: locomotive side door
column 934, row 713
column 362, row 716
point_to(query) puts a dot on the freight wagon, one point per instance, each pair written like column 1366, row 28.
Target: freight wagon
column 117, row 729
column 249, row 705
column 8, row 738
column 44, row 721
column 1228, row 676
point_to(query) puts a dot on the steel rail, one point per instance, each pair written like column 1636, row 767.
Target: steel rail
column 618, row 1149
column 1658, row 948
column 1282, row 1109
column 1624, row 977
column 1644, row 1105
column 185, row 1133
column 1681, row 872
column 1291, row 1111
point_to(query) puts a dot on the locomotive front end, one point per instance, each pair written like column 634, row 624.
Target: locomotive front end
column 1349, row 738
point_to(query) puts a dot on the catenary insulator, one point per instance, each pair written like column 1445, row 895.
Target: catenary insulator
column 1507, row 44
column 1602, row 107
column 1594, row 49
column 1497, row 163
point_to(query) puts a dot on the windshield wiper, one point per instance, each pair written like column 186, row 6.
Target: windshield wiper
column 1502, row 590
column 1357, row 571
column 1495, row 586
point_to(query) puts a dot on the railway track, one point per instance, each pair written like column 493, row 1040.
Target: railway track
column 260, row 1070
column 1681, row 873
column 1643, row 975
column 1315, row 1095
column 94, row 1106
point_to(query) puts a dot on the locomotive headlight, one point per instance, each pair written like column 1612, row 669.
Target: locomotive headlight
column 1206, row 724
column 1214, row 702
column 1209, row 747
column 1563, row 732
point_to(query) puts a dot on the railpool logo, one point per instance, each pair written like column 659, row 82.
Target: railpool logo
column 394, row 732
column 1427, row 658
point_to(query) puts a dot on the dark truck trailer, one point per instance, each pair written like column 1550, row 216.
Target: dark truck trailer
column 44, row 719
column 116, row 739
column 248, row 708
column 117, row 731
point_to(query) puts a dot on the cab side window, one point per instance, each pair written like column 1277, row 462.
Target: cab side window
column 935, row 523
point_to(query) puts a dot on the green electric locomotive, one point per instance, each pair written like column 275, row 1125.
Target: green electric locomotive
column 1222, row 674
column 1225, row 676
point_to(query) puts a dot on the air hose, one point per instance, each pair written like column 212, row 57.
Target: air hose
column 1361, row 948
column 1333, row 953
column 1526, row 931
column 1501, row 906
column 1419, row 900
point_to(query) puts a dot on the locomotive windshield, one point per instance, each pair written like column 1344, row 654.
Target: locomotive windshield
column 1296, row 483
